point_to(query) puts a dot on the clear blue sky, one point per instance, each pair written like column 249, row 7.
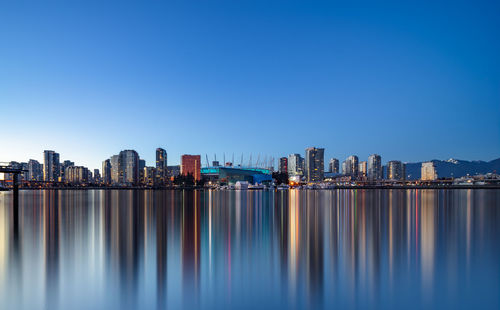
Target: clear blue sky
column 408, row 81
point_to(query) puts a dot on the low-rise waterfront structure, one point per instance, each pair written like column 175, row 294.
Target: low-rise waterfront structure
column 231, row 175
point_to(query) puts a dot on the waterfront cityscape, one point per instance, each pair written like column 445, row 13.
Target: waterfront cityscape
column 250, row 154
column 127, row 170
column 303, row 249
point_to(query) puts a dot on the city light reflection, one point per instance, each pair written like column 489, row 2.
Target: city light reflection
column 286, row 249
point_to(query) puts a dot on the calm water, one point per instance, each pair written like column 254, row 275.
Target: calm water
column 104, row 249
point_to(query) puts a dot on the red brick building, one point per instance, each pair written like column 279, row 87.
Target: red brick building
column 191, row 164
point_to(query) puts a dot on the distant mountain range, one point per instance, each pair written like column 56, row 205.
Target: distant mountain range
column 455, row 168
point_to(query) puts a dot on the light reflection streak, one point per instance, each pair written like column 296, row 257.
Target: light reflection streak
column 380, row 245
column 210, row 203
column 4, row 243
column 294, row 241
column 468, row 228
column 427, row 240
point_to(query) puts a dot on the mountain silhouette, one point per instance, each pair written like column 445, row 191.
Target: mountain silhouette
column 455, row 168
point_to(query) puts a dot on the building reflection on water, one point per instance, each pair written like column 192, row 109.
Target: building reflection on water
column 246, row 249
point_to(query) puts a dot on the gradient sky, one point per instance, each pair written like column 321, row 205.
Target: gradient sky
column 412, row 82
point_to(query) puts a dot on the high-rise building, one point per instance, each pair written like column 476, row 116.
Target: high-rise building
column 352, row 167
column 375, row 171
column 25, row 173
column 142, row 165
column 395, row 170
column 173, row 171
column 68, row 163
column 344, row 167
column 62, row 169
column 161, row 165
column 50, row 166
column 333, row 165
column 123, row 168
column 90, row 176
column 283, row 165
column 129, row 166
column 295, row 165
column 77, row 174
column 116, row 178
column 314, row 164
column 362, row 169
column 191, row 164
column 150, row 175
column 97, row 176
column 35, row 171
column 106, row 172
column 428, row 171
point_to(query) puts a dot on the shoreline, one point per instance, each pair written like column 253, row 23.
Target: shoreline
column 405, row 187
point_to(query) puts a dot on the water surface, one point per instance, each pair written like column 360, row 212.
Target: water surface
column 297, row 249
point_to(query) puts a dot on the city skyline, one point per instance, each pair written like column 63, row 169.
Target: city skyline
column 259, row 78
column 273, row 161
column 250, row 154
